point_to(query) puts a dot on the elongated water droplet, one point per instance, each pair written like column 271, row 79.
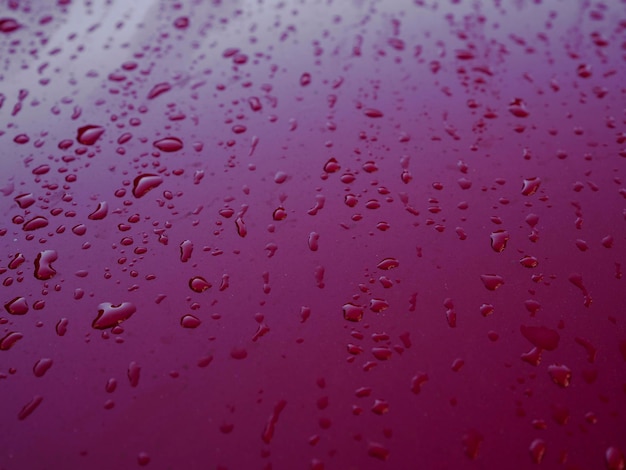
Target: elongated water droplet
column 144, row 183
column 169, row 144
column 89, row 135
column 100, row 212
column 42, row 366
column 9, row 340
column 158, row 90
column 35, row 223
column 388, row 263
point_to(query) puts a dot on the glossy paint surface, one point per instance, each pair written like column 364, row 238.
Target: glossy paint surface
column 313, row 234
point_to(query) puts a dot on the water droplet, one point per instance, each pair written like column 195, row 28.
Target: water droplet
column 614, row 459
column 577, row 280
column 353, row 312
column 133, row 373
column 110, row 315
column 143, row 458
column 279, row 214
column 42, row 366
column 61, row 326
column 16, row 261
column 238, row 353
column 268, row 431
column 9, row 340
column 388, row 263
column 492, row 281
column 499, row 239
column 24, row 201
column 280, row 177
column 486, row 310
column 529, row 262
column 530, row 186
column 305, row 79
column 89, row 135
column 31, row 406
column 168, row 144
column 159, row 89
column 189, row 321
column 241, row 227
column 560, row 374
column 17, row 306
column 8, row 25
column 101, row 211
column 517, row 108
column 199, row 284
column 471, row 443
column 332, row 166
column 186, row 248
column 373, row 113
column 541, row 336
column 144, row 183
column 537, row 450
column 35, row 223
column 378, row 451
column 43, row 265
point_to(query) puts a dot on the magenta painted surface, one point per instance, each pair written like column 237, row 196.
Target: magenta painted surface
column 313, row 234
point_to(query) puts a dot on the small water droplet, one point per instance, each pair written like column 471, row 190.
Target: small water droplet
column 373, row 113
column 517, row 108
column 133, row 373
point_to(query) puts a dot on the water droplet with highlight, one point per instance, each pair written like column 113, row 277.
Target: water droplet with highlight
column 17, row 306
column 144, row 183
column 199, row 284
column 168, row 144
column 43, row 265
column 110, row 315
column 352, row 312
column 89, row 135
column 492, row 281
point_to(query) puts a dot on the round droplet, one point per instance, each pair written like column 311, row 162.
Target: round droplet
column 169, row 144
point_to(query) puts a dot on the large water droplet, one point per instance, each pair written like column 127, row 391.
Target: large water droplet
column 42, row 366
column 43, row 265
column 492, row 281
column 199, row 284
column 110, row 315
column 17, row 306
column 89, row 135
column 144, row 183
column 35, row 223
column 9, row 340
column 499, row 239
column 352, row 312
column 388, row 263
column 169, row 144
